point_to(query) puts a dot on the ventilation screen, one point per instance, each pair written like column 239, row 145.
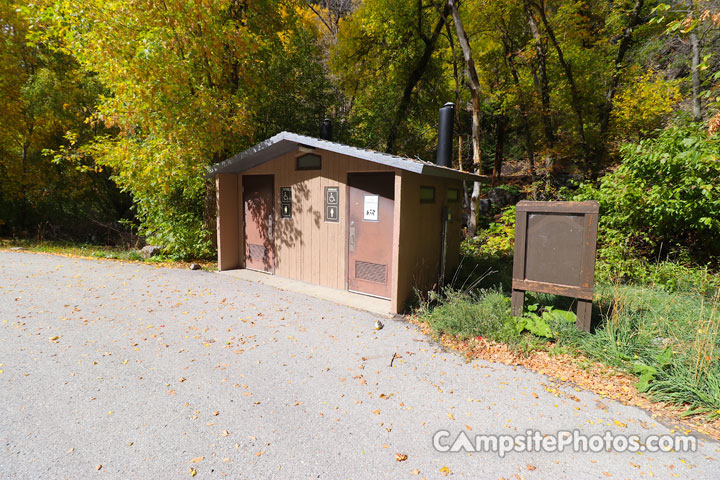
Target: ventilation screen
column 256, row 252
column 372, row 272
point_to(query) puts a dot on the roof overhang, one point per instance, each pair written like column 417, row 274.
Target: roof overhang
column 286, row 142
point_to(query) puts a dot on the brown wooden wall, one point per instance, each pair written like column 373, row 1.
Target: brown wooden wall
column 229, row 201
column 307, row 247
column 312, row 250
column 421, row 234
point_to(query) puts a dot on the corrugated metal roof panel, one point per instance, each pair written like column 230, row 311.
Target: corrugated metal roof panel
column 286, row 142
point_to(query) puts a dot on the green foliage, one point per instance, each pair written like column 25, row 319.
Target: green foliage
column 187, row 85
column 484, row 313
column 379, row 48
column 665, row 193
column 496, row 241
column 44, row 95
column 671, row 341
column 541, row 325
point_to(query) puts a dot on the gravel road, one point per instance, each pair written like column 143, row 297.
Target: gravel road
column 125, row 370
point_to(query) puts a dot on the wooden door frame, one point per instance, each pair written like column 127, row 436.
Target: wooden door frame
column 392, row 268
column 244, row 223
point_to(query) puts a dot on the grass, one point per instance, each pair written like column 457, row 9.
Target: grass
column 667, row 337
column 89, row 250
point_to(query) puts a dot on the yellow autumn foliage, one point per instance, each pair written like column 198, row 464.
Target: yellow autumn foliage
column 643, row 104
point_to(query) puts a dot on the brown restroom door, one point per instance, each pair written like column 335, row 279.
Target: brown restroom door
column 258, row 216
column 370, row 232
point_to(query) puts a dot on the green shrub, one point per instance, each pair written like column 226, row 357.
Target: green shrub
column 664, row 196
column 498, row 240
column 479, row 314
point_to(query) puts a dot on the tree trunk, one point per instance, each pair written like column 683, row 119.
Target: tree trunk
column 499, row 148
column 524, row 121
column 574, row 96
column 474, row 84
column 540, row 79
column 413, row 79
column 606, row 109
column 22, row 214
column 695, row 44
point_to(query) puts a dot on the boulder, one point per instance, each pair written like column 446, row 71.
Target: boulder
column 195, row 266
column 499, row 197
column 150, row 251
column 484, row 206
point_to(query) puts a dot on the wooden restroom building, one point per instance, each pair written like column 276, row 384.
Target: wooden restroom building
column 348, row 218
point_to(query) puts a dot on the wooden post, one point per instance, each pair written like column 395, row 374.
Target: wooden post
column 517, row 303
column 584, row 314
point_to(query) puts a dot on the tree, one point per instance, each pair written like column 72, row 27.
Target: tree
column 45, row 95
column 187, row 85
column 386, row 63
column 474, row 86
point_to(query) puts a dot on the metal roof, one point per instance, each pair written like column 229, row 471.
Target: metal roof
column 285, row 142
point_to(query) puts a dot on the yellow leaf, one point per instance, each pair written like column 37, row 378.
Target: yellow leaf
column 445, row 471
column 197, row 459
column 400, row 457
column 451, row 416
column 193, row 472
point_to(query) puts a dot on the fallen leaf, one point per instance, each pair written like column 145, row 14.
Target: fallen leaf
column 400, row 457
column 531, row 467
column 197, row 459
column 451, row 416
column 193, row 472
column 445, row 471
column 225, row 433
column 98, row 467
column 415, row 472
column 376, row 412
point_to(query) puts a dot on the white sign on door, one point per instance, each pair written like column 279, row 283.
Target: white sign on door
column 370, row 208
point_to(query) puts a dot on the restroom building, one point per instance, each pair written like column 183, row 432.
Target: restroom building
column 329, row 214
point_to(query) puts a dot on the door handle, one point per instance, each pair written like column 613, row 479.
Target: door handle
column 352, row 237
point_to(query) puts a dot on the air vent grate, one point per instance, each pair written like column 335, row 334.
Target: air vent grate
column 372, row 272
column 256, row 252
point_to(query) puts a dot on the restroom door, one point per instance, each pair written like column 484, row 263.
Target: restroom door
column 258, row 222
column 371, row 204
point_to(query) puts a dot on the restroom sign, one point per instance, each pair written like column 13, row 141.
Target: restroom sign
column 332, row 204
column 285, row 202
column 370, row 208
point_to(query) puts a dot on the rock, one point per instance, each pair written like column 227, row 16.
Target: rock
column 378, row 325
column 499, row 197
column 150, row 251
column 195, row 266
column 483, row 206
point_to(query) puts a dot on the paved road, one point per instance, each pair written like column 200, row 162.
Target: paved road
column 142, row 370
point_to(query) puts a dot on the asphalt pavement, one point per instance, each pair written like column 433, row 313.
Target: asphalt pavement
column 128, row 370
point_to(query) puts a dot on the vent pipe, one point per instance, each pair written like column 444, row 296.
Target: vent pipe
column 326, row 130
column 445, row 135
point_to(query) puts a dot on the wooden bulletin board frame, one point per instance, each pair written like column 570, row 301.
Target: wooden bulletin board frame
column 574, row 276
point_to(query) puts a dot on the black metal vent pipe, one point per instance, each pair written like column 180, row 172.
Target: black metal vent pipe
column 446, row 126
column 326, row 129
